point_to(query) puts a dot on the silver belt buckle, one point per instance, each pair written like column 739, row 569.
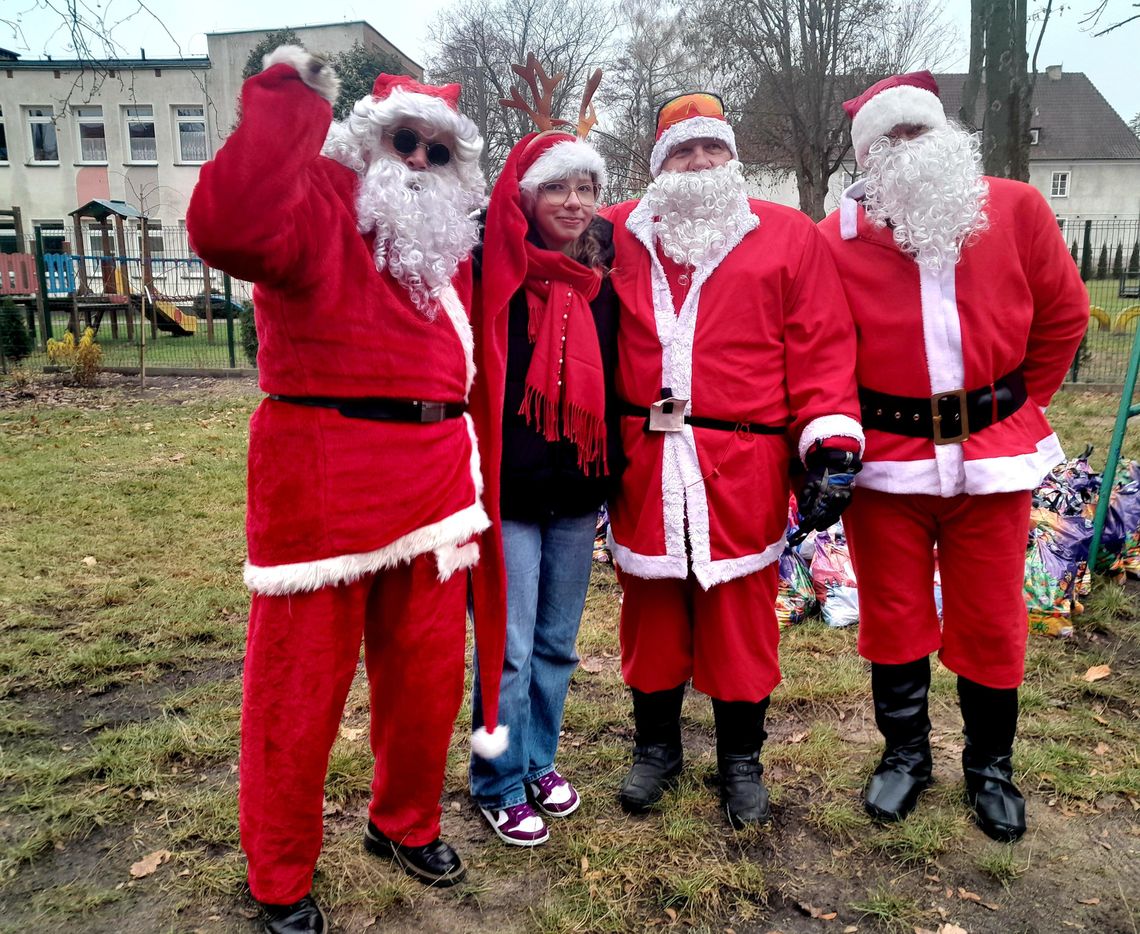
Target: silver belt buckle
column 431, row 412
column 667, row 414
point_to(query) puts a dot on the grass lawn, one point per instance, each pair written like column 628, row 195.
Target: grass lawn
column 122, row 617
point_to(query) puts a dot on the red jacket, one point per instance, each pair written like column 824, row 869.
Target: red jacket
column 1015, row 299
column 764, row 336
column 332, row 498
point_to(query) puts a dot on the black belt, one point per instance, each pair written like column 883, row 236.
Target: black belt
column 381, row 409
column 945, row 417
column 699, row 421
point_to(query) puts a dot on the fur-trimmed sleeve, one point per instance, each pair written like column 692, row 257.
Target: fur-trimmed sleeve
column 256, row 212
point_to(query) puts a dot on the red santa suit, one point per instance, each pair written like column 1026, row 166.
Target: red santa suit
column 356, row 527
column 1013, row 305
column 761, row 337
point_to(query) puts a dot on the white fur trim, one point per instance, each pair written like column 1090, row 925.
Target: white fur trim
column 946, row 369
column 457, row 315
column 693, row 128
column 683, row 492
column 887, row 109
column 849, row 209
column 408, row 105
column 562, row 160
column 830, row 426
column 316, row 73
column 448, row 539
column 651, row 567
column 452, row 558
column 490, row 745
column 279, row 579
column 987, row 475
column 1017, row 472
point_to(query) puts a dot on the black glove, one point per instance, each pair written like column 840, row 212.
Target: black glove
column 827, row 489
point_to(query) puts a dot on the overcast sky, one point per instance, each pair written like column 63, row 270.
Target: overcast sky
column 1110, row 61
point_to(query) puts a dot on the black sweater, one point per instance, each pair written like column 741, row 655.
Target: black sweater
column 542, row 479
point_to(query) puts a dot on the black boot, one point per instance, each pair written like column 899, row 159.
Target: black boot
column 435, row 863
column 739, row 738
column 657, row 753
column 303, row 917
column 901, row 714
column 989, row 722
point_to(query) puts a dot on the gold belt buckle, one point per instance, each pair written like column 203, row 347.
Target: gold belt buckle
column 940, row 437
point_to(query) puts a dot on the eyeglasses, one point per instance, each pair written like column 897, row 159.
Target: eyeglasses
column 406, row 141
column 558, row 193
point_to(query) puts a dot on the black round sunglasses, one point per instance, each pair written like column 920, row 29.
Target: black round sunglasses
column 406, row 141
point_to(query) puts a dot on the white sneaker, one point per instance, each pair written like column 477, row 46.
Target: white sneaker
column 517, row 825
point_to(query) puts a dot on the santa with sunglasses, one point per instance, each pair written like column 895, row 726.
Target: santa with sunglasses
column 364, row 489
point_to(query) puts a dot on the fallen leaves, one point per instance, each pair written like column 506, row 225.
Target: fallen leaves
column 149, row 863
column 1097, row 673
column 821, row 913
column 1089, row 901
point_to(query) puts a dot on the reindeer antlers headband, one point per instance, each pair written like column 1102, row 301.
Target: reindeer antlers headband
column 541, row 112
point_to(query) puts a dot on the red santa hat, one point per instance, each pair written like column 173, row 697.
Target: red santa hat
column 399, row 97
column 909, row 99
column 553, row 155
column 698, row 115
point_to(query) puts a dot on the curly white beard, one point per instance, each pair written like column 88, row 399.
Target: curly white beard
column 421, row 223
column 931, row 190
column 698, row 214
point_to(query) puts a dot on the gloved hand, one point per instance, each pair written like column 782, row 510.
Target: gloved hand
column 827, row 489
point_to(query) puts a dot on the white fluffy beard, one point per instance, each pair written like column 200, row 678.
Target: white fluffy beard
column 931, row 190
column 421, row 223
column 698, row 214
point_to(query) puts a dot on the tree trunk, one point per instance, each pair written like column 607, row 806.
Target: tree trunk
column 1005, row 136
column 813, row 190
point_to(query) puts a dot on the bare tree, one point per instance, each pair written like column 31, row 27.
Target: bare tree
column 1134, row 124
column 999, row 62
column 1091, row 20
column 653, row 61
column 476, row 43
column 787, row 65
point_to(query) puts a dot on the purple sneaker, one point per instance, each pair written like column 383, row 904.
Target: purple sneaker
column 517, row 825
column 553, row 795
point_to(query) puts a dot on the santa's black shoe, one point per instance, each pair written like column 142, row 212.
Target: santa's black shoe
column 740, row 737
column 303, row 917
column 657, row 754
column 434, row 863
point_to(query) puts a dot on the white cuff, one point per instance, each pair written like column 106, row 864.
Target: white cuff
column 830, row 426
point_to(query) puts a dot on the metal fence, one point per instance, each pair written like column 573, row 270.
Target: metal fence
column 154, row 303
column 1108, row 255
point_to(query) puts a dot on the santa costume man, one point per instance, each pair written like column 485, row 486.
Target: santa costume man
column 968, row 310
column 364, row 485
column 735, row 351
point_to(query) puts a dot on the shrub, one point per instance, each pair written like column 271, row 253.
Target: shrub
column 248, row 333
column 83, row 360
column 1118, row 262
column 1134, row 260
column 15, row 341
column 1102, row 263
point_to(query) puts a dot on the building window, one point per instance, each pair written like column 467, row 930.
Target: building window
column 191, row 134
column 1034, row 136
column 92, row 134
column 1060, row 186
column 141, row 144
column 41, row 134
column 3, row 139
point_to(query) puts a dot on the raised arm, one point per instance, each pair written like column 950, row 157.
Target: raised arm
column 255, row 209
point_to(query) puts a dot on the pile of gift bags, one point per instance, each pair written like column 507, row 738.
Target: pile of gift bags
column 818, row 573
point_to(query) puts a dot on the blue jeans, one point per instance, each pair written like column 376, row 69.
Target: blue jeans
column 548, row 572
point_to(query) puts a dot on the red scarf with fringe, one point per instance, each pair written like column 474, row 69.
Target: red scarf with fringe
column 565, row 385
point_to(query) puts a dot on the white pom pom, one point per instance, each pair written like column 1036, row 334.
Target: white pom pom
column 489, row 745
column 317, row 74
